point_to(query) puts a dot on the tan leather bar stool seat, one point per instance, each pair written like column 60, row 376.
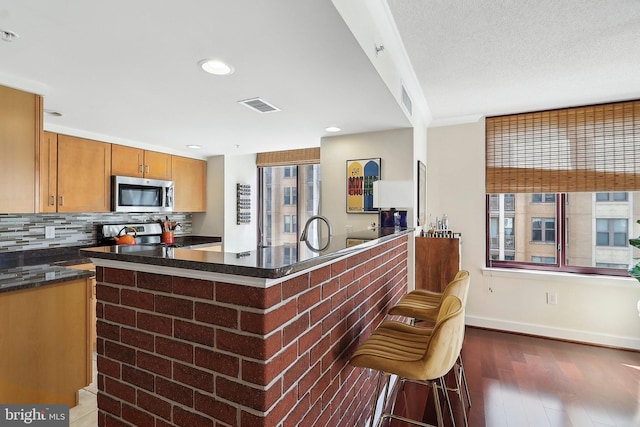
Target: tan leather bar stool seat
column 426, row 305
column 415, row 354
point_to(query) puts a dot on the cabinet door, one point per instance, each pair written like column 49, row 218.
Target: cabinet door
column 84, row 175
column 45, row 357
column 190, row 180
column 48, row 172
column 20, row 129
column 126, row 161
column 157, row 165
column 437, row 262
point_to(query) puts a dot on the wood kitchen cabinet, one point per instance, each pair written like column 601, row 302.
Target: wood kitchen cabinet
column 20, row 130
column 130, row 161
column 91, row 325
column 75, row 174
column 45, row 348
column 48, row 172
column 190, row 184
column 437, row 262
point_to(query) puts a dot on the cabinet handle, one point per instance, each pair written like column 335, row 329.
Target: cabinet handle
column 61, row 200
column 53, row 200
column 141, row 168
column 148, row 168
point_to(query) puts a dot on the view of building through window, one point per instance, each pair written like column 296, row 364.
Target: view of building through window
column 290, row 196
column 571, row 231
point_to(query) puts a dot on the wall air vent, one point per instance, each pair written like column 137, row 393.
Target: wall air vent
column 406, row 101
column 259, row 105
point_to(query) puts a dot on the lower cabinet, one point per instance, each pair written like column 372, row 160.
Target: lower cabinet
column 46, row 357
column 437, row 262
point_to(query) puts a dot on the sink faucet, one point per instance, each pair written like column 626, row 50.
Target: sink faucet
column 303, row 236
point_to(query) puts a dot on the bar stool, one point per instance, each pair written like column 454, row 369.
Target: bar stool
column 425, row 305
column 415, row 355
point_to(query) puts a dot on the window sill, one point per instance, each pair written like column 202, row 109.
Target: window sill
column 595, row 279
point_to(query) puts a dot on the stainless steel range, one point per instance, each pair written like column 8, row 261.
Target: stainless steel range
column 148, row 233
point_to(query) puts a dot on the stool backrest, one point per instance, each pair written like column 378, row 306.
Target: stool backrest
column 446, row 339
column 459, row 287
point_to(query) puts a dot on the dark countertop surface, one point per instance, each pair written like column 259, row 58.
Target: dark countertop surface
column 267, row 262
column 33, row 268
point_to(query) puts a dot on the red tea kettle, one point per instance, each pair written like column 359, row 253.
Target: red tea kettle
column 126, row 239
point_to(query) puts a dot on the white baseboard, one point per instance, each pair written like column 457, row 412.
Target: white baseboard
column 553, row 332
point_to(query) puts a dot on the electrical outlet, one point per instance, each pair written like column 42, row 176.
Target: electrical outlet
column 49, row 232
column 552, row 298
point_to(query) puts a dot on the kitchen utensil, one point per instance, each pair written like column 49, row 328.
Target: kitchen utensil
column 126, row 239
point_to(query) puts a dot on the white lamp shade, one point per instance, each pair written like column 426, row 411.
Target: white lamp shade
column 393, row 194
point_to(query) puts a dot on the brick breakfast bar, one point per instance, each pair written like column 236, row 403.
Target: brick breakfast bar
column 198, row 338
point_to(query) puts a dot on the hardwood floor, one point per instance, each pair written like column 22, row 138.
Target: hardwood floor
column 518, row 381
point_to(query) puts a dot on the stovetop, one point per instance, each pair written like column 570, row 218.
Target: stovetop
column 148, row 233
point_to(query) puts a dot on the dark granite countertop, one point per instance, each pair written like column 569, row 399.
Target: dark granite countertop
column 31, row 276
column 29, row 269
column 268, row 262
column 33, row 268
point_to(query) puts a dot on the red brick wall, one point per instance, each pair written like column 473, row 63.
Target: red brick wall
column 189, row 352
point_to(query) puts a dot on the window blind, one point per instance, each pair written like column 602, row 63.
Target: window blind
column 592, row 148
column 303, row 156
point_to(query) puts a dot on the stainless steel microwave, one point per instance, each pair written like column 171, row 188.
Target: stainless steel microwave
column 130, row 194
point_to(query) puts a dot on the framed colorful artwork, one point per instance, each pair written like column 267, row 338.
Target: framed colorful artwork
column 361, row 174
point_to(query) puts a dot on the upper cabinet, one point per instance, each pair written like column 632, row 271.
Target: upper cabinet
column 75, row 174
column 190, row 184
column 129, row 161
column 48, row 172
column 20, row 129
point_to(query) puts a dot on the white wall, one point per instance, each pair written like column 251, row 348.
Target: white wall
column 595, row 309
column 394, row 147
column 240, row 170
column 223, row 173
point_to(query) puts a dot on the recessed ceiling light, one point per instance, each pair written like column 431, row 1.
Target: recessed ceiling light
column 8, row 35
column 215, row 66
column 332, row 129
column 194, row 146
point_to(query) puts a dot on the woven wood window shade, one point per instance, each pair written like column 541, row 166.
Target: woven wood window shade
column 594, row 148
column 303, row 156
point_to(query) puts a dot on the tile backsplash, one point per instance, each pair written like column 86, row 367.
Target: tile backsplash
column 27, row 232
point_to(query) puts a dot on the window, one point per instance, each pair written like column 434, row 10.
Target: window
column 290, row 195
column 620, row 196
column 279, row 208
column 543, row 259
column 290, row 224
column 543, row 198
column 290, row 171
column 586, row 154
column 543, row 230
column 290, row 254
column 611, row 232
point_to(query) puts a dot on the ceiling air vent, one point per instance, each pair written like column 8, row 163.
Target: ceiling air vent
column 406, row 101
column 259, row 105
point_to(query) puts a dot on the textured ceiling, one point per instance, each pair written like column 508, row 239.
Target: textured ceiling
column 491, row 57
column 126, row 71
